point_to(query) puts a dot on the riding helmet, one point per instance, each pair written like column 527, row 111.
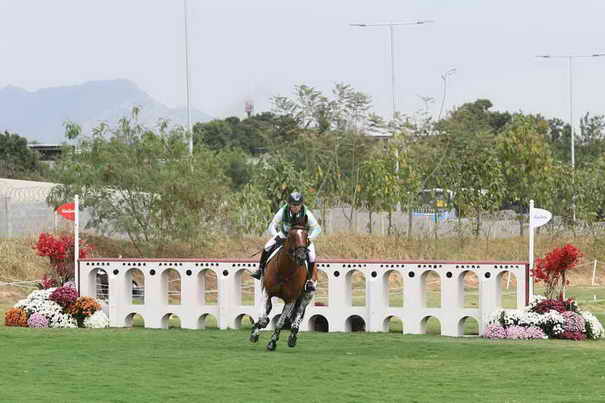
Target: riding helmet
column 295, row 198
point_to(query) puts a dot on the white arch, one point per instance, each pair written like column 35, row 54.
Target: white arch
column 425, row 320
column 387, row 322
column 423, row 283
column 311, row 323
column 353, row 322
column 202, row 322
column 462, row 322
column 387, row 287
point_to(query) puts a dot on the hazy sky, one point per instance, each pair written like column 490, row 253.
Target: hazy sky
column 257, row 49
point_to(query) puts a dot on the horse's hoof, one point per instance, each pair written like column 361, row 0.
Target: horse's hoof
column 254, row 338
column 271, row 345
column 292, row 341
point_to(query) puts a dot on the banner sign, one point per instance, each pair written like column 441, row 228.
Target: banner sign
column 67, row 210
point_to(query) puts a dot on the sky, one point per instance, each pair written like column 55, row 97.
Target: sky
column 242, row 49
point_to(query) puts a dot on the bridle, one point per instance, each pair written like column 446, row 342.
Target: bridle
column 296, row 252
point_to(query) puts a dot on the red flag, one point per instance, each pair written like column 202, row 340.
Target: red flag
column 67, row 210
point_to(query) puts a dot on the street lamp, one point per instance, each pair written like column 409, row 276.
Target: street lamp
column 570, row 59
column 188, row 78
column 444, row 77
column 391, row 25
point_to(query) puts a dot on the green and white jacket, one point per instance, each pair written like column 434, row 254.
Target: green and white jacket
column 282, row 222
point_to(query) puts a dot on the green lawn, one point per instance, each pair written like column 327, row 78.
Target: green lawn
column 126, row 365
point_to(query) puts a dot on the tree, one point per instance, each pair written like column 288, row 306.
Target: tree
column 310, row 109
column 590, row 142
column 249, row 135
column 527, row 163
column 475, row 117
column 17, row 160
column 144, row 184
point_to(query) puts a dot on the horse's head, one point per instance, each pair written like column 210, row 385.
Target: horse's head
column 297, row 244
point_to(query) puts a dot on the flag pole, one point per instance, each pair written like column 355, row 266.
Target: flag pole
column 531, row 249
column 77, row 242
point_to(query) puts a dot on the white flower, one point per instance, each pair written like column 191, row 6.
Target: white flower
column 530, row 319
column 594, row 328
column 97, row 320
column 40, row 294
column 534, row 301
column 63, row 320
column 46, row 307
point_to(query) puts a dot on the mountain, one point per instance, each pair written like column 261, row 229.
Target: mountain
column 39, row 115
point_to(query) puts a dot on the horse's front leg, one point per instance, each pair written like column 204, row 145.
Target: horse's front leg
column 286, row 312
column 298, row 317
column 263, row 319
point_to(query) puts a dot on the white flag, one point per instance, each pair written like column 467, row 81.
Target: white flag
column 540, row 217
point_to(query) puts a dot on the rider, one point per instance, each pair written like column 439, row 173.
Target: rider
column 281, row 223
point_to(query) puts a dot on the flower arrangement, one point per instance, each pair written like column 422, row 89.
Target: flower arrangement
column 15, row 317
column 552, row 270
column 56, row 308
column 37, row 320
column 82, row 308
column 535, row 322
column 64, row 296
column 60, row 250
column 97, row 320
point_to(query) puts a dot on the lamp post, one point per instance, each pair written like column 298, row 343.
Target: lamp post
column 392, row 43
column 188, row 77
column 444, row 77
column 570, row 59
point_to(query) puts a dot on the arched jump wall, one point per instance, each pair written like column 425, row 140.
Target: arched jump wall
column 336, row 312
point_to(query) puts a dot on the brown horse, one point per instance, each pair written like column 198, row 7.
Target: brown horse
column 285, row 277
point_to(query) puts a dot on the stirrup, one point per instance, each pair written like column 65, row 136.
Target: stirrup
column 257, row 274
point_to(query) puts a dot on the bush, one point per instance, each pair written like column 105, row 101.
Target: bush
column 64, row 296
column 15, row 317
column 82, row 308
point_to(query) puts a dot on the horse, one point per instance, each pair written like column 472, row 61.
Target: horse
column 285, row 277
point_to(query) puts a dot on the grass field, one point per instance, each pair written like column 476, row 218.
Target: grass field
column 129, row 365
column 137, row 364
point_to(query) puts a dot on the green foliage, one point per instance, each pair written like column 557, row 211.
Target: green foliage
column 475, row 117
column 588, row 185
column 249, row 134
column 17, row 160
column 252, row 212
column 310, row 109
column 144, row 184
column 527, row 162
column 279, row 176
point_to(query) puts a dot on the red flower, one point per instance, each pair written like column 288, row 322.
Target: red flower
column 60, row 251
column 553, row 267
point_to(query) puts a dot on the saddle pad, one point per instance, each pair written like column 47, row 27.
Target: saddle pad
column 274, row 253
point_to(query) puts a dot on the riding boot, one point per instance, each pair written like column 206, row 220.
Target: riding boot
column 261, row 265
column 310, row 285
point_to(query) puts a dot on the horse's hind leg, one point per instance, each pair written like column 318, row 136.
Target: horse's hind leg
column 263, row 319
column 287, row 311
column 298, row 316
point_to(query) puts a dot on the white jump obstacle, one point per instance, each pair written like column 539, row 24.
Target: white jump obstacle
column 339, row 313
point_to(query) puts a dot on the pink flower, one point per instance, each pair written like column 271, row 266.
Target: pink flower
column 494, row 331
column 37, row 320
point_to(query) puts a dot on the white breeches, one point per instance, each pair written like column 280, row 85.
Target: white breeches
column 311, row 248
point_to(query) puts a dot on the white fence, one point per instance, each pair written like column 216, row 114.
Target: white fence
column 208, row 287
